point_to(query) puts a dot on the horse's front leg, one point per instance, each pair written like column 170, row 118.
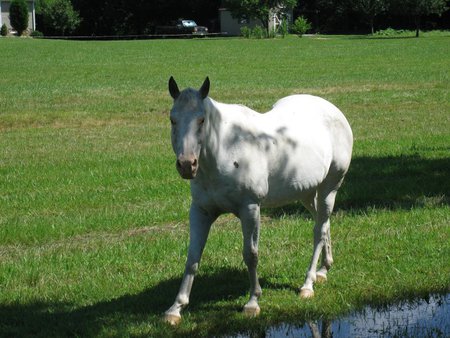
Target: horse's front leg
column 250, row 219
column 200, row 223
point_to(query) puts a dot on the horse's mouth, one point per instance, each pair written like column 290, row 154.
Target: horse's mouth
column 188, row 176
column 186, row 172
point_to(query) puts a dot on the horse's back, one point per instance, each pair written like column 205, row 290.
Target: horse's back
column 306, row 108
column 311, row 115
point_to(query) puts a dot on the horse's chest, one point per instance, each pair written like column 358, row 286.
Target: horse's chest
column 212, row 195
column 226, row 189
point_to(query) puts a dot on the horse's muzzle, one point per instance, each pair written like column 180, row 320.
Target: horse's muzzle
column 187, row 167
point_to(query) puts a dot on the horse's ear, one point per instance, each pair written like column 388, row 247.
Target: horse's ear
column 204, row 90
column 173, row 88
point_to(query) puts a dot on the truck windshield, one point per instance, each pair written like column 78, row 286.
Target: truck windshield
column 189, row 23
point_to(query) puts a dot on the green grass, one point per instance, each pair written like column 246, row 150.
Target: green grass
column 93, row 216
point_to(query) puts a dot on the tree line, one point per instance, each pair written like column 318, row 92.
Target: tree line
column 136, row 17
column 124, row 17
column 360, row 16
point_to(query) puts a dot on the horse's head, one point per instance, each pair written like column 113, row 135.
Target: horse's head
column 187, row 117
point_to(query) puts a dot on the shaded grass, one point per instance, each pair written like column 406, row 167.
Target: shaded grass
column 93, row 232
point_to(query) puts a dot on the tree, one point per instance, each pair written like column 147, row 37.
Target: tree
column 369, row 9
column 58, row 17
column 257, row 9
column 301, row 26
column 419, row 8
column 18, row 16
column 4, row 30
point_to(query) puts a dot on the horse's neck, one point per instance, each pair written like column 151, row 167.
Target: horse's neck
column 213, row 114
column 211, row 142
column 218, row 113
column 220, row 118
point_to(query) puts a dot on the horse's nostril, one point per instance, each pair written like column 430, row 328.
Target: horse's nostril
column 194, row 163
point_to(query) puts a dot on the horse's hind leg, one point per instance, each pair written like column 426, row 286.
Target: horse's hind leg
column 327, row 260
column 324, row 204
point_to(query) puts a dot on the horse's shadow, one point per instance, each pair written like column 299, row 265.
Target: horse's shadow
column 397, row 182
column 59, row 319
column 393, row 182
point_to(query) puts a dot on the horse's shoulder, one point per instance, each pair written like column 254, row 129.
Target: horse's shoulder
column 237, row 114
column 243, row 111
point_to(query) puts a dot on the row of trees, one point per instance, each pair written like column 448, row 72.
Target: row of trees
column 118, row 17
column 111, row 17
column 341, row 15
column 356, row 15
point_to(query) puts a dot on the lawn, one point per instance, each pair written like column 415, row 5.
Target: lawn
column 93, row 215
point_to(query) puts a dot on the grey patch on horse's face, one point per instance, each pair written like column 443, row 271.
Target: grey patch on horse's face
column 187, row 117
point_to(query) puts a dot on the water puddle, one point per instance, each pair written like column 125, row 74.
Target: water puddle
column 419, row 318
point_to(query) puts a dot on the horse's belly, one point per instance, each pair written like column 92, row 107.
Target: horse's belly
column 295, row 189
column 297, row 176
column 278, row 199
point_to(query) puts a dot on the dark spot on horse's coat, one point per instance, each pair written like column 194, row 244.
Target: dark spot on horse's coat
column 236, row 165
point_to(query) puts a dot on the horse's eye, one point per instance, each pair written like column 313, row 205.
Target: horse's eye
column 201, row 120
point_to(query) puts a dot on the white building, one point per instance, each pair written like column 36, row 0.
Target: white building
column 4, row 17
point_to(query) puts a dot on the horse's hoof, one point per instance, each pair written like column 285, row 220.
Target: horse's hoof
column 251, row 311
column 306, row 293
column 172, row 319
column 320, row 278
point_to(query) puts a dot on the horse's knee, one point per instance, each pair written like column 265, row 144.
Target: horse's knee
column 250, row 257
column 191, row 268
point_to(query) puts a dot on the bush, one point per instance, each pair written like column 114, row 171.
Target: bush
column 4, row 30
column 284, row 28
column 390, row 32
column 37, row 34
column 258, row 32
column 301, row 26
column 18, row 16
column 58, row 17
column 246, row 32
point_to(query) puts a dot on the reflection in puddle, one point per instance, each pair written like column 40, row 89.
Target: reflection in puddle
column 420, row 318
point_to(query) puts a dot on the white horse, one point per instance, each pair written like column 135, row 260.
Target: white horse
column 239, row 160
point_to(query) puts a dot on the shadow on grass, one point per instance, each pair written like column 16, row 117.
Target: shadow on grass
column 115, row 316
column 400, row 182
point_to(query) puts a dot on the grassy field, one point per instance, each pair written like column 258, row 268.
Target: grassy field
column 93, row 215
